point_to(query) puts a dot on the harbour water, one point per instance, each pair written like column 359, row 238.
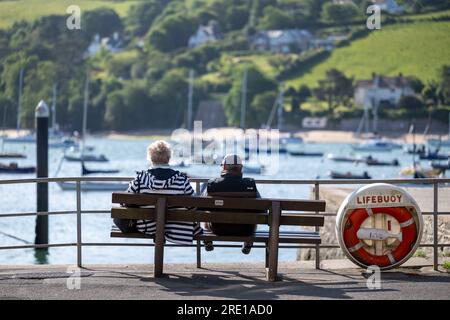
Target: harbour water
column 129, row 156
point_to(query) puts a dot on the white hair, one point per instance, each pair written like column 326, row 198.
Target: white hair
column 159, row 152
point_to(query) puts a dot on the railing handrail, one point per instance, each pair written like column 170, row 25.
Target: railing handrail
column 263, row 181
column 315, row 183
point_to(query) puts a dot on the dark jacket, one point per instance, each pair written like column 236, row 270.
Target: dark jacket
column 232, row 183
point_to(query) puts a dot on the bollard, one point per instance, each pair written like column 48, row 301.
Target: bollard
column 42, row 114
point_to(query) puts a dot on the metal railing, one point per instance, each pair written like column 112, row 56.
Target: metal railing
column 79, row 244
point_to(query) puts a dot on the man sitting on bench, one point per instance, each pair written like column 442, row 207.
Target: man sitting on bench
column 161, row 179
column 231, row 180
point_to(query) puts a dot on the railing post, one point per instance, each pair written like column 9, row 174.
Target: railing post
column 316, row 197
column 435, row 226
column 41, row 114
column 79, row 245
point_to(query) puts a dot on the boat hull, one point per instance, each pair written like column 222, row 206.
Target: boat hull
column 94, row 186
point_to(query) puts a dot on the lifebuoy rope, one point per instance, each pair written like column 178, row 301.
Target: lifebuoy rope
column 356, row 247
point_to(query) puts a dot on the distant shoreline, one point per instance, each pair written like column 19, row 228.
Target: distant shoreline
column 312, row 136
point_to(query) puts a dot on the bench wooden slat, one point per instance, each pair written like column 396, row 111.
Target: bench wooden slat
column 217, row 216
column 218, row 202
column 260, row 237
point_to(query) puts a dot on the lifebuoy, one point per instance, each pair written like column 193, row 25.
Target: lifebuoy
column 354, row 245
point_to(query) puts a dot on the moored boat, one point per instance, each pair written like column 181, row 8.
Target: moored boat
column 433, row 156
column 94, row 186
column 12, row 155
column 337, row 158
column 440, row 166
column 86, row 171
column 306, row 154
column 374, row 146
column 349, row 175
column 14, row 168
column 375, row 162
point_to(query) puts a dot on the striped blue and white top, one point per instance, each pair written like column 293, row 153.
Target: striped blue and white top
column 167, row 181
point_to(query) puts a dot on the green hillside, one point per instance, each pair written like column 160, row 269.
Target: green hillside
column 418, row 49
column 29, row 10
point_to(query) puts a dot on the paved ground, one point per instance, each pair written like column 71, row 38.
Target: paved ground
column 221, row 281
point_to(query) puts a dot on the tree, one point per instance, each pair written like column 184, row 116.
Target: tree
column 172, row 33
column 7, row 111
column 314, row 8
column 414, row 106
column 257, row 83
column 416, row 84
column 260, row 107
column 336, row 89
column 275, row 18
column 141, row 15
column 116, row 114
column 339, row 13
column 237, row 17
column 431, row 93
column 304, row 93
column 102, row 21
column 445, row 83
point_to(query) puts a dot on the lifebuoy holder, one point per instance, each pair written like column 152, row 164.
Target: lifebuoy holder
column 379, row 224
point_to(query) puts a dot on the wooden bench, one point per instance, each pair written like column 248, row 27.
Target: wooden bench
column 271, row 212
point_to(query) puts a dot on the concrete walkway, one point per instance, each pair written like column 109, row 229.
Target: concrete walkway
column 337, row 280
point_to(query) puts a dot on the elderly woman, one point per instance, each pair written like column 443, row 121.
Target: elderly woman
column 160, row 178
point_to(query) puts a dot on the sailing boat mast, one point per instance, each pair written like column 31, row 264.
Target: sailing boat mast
column 19, row 100
column 190, row 97
column 54, row 109
column 85, row 106
column 244, row 99
column 280, row 108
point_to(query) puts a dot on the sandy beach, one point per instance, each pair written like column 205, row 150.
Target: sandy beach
column 313, row 136
column 321, row 136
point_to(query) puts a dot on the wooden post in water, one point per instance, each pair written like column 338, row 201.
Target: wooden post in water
column 42, row 114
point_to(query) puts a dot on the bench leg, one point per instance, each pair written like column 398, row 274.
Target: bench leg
column 274, row 234
column 159, row 236
column 267, row 255
column 199, row 254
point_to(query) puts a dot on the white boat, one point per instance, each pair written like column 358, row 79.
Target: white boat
column 28, row 138
column 94, row 186
column 78, row 157
column 343, row 158
column 439, row 143
column 294, row 144
column 374, row 146
column 253, row 169
column 63, row 143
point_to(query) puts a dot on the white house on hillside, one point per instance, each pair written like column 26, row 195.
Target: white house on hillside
column 370, row 93
column 282, row 41
column 113, row 44
column 204, row 34
column 389, row 6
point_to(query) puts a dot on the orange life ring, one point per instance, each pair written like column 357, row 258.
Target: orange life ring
column 356, row 247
